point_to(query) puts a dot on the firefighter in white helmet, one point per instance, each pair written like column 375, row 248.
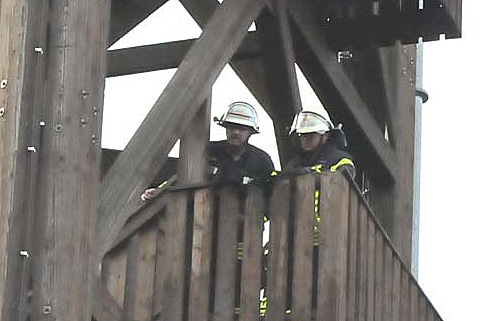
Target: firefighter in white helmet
column 234, row 161
column 321, row 146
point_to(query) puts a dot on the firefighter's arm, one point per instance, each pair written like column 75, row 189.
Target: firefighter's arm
column 152, row 192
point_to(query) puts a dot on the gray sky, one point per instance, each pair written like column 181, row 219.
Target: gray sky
column 460, row 239
column 461, row 244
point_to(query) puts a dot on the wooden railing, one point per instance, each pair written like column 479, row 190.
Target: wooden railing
column 199, row 256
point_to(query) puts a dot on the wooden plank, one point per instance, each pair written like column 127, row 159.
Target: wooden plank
column 171, row 115
column 67, row 197
column 165, row 56
column 404, row 117
column 176, row 229
column 414, row 301
column 146, row 213
column 202, row 237
column 144, row 296
column 371, row 271
column 379, row 297
column 132, row 270
column 405, row 295
column 226, row 263
column 128, row 14
column 303, row 245
column 397, row 290
column 328, row 79
column 423, row 306
column 388, row 282
column 14, row 160
column 193, row 160
column 160, row 266
column 334, row 211
column 252, row 254
column 114, row 271
column 352, row 270
column 277, row 268
column 362, row 262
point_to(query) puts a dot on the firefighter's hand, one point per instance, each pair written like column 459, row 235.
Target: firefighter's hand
column 149, row 194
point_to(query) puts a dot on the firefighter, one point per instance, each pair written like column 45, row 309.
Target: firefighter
column 321, row 146
column 234, row 161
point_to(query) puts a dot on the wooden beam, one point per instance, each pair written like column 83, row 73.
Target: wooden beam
column 15, row 169
column 339, row 95
column 128, row 14
column 193, row 160
column 171, row 114
column 164, row 56
column 404, row 119
column 252, row 72
column 281, row 79
column 56, row 54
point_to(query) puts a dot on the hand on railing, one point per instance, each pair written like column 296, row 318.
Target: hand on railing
column 149, row 194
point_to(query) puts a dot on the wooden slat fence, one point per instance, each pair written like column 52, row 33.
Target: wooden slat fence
column 201, row 257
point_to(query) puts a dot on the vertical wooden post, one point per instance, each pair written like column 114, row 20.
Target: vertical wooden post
column 404, row 117
column 192, row 163
column 13, row 150
column 64, row 193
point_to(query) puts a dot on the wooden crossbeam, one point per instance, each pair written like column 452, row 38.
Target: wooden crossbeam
column 164, row 56
column 171, row 115
column 256, row 72
column 328, row 78
column 249, row 71
column 281, row 78
column 126, row 15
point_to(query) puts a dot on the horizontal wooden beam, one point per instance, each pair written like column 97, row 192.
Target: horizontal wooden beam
column 127, row 14
column 165, row 56
column 338, row 93
column 171, row 115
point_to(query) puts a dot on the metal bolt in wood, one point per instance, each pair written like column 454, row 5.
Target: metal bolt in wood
column 3, row 84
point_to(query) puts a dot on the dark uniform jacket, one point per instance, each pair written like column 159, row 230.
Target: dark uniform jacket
column 330, row 157
column 255, row 165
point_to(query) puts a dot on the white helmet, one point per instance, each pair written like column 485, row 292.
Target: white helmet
column 310, row 122
column 240, row 113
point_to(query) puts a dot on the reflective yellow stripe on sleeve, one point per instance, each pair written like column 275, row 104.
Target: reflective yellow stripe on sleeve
column 161, row 186
column 316, row 168
column 344, row 161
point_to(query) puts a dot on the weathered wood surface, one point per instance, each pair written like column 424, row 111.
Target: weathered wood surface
column 171, row 115
column 52, row 59
column 328, row 78
column 209, row 258
column 13, row 158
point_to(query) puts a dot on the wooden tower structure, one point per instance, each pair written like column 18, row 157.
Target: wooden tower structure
column 67, row 236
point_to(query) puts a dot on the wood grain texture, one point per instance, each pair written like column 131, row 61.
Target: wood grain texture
column 279, row 211
column 333, row 249
column 252, row 254
column 303, row 248
column 227, row 259
column 202, row 237
column 176, row 228
column 171, row 115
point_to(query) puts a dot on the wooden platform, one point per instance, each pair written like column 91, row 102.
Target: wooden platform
column 201, row 257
